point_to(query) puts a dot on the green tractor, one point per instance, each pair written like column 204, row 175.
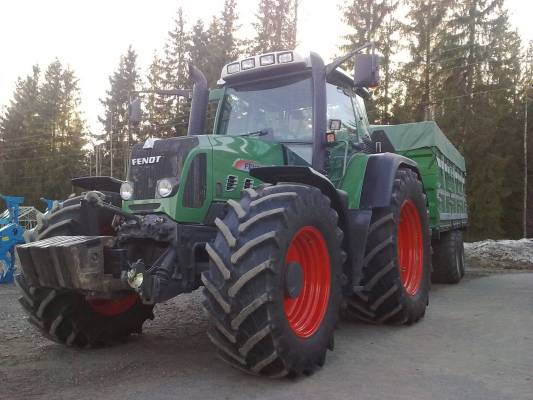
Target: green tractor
column 293, row 211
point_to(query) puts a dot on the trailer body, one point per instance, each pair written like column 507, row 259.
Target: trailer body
column 442, row 169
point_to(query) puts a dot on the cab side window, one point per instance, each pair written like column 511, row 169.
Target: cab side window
column 340, row 106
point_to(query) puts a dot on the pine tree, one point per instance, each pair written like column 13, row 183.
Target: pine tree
column 425, row 26
column 176, row 54
column 22, row 136
column 221, row 46
column 229, row 20
column 156, row 121
column 42, row 134
column 174, row 120
column 275, row 26
column 477, row 91
column 123, row 83
column 374, row 21
column 199, row 45
column 367, row 19
column 60, row 105
column 214, row 50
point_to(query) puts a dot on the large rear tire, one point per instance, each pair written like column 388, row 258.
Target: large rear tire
column 397, row 263
column 68, row 317
column 448, row 258
column 273, row 288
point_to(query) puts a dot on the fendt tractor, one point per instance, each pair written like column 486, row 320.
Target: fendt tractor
column 292, row 211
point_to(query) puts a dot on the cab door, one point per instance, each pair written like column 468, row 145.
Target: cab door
column 340, row 106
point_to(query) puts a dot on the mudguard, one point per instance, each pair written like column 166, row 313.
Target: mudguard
column 305, row 175
column 379, row 178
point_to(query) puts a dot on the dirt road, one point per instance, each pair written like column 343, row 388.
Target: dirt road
column 476, row 342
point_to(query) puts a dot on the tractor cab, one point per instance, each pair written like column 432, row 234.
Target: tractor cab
column 314, row 111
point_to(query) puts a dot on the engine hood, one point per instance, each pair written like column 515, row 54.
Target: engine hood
column 234, row 156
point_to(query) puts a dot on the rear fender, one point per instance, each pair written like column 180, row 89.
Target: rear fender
column 305, row 175
column 379, row 178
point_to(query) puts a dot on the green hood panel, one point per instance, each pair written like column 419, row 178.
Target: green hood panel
column 228, row 162
column 234, row 156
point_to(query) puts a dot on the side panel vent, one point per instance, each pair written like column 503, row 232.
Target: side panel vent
column 196, row 183
column 248, row 183
column 231, row 183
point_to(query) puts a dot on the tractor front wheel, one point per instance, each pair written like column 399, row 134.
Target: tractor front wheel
column 273, row 288
column 68, row 317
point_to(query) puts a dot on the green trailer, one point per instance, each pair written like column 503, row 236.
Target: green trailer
column 290, row 211
column 442, row 168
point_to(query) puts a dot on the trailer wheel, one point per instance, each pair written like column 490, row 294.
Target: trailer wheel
column 273, row 289
column 448, row 258
column 397, row 263
column 66, row 316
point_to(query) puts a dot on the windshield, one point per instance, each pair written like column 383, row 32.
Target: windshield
column 279, row 109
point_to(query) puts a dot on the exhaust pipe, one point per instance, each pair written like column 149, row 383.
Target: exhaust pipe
column 200, row 98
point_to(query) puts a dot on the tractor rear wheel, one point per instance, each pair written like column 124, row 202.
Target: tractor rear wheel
column 397, row 263
column 273, row 289
column 448, row 258
column 68, row 317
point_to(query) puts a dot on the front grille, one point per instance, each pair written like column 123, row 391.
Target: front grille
column 144, row 207
column 196, row 184
column 164, row 160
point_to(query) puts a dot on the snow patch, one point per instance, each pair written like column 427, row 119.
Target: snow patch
column 501, row 253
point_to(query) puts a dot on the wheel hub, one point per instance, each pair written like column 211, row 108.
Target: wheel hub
column 308, row 280
column 410, row 247
column 113, row 307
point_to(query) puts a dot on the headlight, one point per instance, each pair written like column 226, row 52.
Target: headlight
column 165, row 187
column 126, row 191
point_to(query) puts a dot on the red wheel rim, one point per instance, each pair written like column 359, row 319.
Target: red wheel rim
column 306, row 311
column 114, row 306
column 410, row 247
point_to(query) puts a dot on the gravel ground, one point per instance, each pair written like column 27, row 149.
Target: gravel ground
column 476, row 342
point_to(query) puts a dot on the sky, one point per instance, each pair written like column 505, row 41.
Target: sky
column 90, row 36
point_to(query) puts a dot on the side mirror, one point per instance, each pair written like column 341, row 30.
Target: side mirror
column 135, row 114
column 366, row 70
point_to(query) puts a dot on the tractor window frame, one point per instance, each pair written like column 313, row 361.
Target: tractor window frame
column 349, row 93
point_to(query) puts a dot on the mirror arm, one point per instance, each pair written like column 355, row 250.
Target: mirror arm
column 332, row 66
column 363, row 92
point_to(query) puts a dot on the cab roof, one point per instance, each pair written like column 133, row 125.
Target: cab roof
column 274, row 63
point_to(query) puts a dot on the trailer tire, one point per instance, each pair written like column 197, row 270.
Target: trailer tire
column 66, row 316
column 254, row 292
column 397, row 262
column 448, row 258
